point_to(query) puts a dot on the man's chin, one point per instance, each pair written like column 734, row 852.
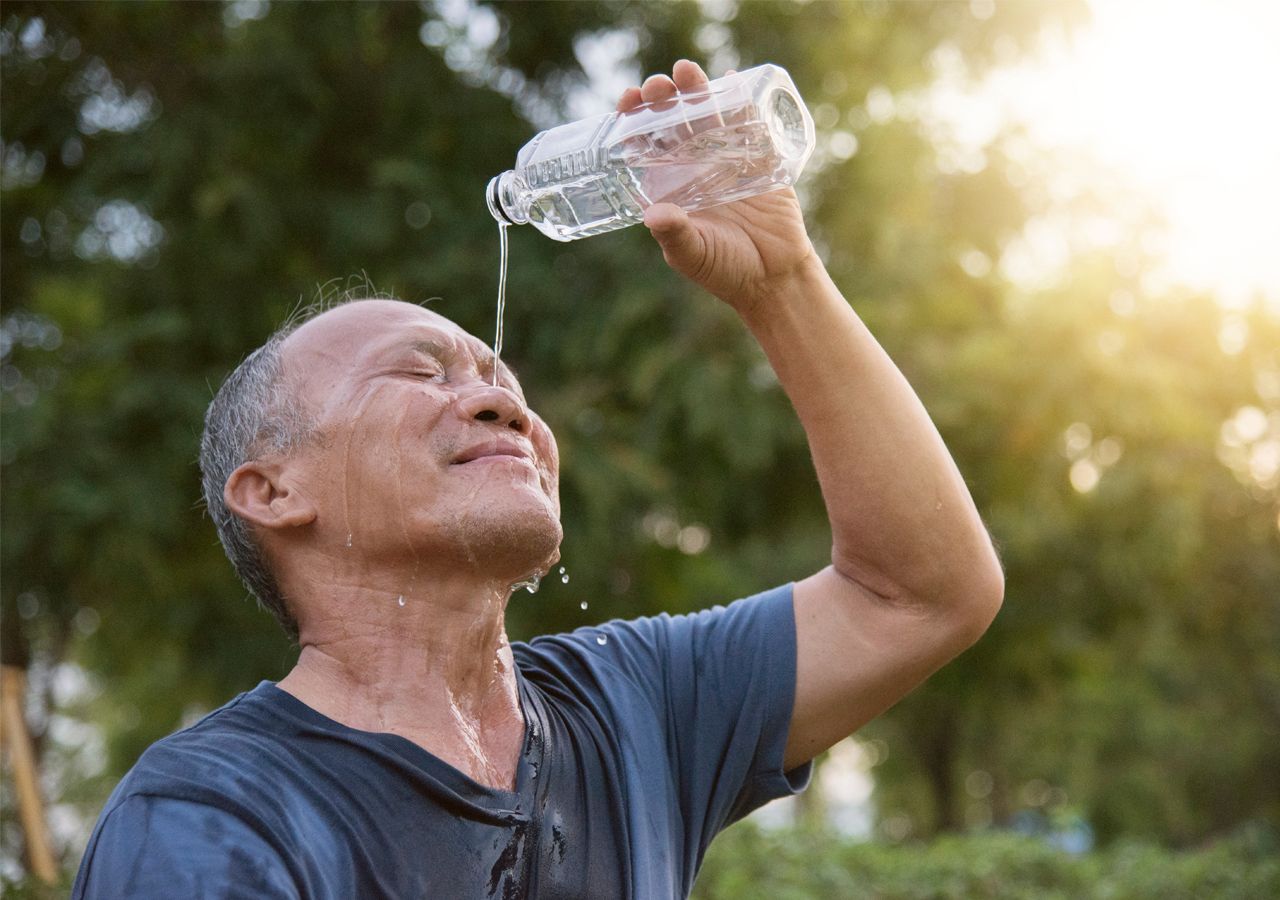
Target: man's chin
column 512, row 544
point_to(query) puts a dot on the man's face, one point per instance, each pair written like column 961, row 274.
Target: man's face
column 420, row 461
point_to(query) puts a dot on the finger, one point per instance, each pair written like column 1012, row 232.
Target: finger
column 657, row 87
column 682, row 246
column 692, row 79
column 630, row 99
column 688, row 76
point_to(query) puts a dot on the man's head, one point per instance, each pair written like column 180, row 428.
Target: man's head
column 369, row 444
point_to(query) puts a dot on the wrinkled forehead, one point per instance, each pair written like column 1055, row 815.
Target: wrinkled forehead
column 361, row 333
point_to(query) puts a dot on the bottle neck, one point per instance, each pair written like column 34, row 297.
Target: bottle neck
column 502, row 198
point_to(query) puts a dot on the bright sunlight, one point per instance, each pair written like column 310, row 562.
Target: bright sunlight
column 1176, row 101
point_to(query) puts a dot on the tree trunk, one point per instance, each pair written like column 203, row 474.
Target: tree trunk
column 938, row 745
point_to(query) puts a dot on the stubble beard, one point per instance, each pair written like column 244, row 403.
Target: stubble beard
column 509, row 543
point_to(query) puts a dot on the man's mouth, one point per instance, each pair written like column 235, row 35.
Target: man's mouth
column 493, row 450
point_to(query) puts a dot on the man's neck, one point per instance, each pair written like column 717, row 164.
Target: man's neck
column 432, row 665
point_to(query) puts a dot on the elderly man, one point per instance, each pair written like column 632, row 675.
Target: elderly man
column 381, row 495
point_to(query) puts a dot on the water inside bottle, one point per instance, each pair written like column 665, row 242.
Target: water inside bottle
column 714, row 166
column 742, row 135
column 696, row 163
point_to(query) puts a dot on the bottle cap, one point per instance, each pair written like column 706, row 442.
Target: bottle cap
column 493, row 198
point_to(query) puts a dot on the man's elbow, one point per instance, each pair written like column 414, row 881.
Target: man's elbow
column 961, row 595
column 983, row 595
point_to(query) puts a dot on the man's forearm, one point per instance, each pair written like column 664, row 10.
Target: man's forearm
column 903, row 523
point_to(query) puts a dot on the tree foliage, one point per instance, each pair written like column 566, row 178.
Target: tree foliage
column 178, row 177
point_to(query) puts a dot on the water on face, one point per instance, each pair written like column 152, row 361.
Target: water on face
column 530, row 584
column 502, row 297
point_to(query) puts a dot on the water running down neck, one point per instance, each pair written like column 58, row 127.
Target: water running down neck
column 502, row 297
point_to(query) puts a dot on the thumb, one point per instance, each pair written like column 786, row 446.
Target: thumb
column 682, row 245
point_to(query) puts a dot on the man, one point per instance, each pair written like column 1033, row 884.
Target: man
column 382, row 496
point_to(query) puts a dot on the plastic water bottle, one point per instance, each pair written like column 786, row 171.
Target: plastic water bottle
column 739, row 136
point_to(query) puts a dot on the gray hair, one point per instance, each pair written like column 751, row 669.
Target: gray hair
column 255, row 413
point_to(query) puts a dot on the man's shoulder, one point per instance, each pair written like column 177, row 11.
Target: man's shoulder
column 243, row 716
column 225, row 745
column 647, row 652
column 663, row 632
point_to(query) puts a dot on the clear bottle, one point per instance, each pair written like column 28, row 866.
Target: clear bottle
column 742, row 135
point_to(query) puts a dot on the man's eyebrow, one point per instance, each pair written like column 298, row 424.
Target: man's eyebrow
column 431, row 348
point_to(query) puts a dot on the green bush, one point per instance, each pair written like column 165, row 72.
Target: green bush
column 747, row 862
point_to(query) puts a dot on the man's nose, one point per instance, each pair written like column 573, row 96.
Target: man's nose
column 495, row 404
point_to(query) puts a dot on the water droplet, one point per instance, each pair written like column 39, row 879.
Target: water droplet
column 583, row 605
column 401, row 600
column 349, row 540
column 564, row 579
column 602, row 639
column 558, row 840
column 562, row 570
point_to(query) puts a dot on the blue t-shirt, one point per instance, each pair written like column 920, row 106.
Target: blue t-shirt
column 643, row 740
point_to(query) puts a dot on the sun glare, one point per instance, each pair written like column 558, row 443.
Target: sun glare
column 1178, row 100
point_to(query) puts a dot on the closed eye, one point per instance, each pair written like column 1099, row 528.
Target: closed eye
column 433, row 374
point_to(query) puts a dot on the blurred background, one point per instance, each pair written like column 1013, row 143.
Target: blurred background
column 1060, row 219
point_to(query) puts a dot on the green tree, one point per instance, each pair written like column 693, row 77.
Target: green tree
column 177, row 178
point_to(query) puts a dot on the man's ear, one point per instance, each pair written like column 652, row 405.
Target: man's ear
column 259, row 493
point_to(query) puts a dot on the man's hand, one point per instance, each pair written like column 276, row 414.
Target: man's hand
column 739, row 251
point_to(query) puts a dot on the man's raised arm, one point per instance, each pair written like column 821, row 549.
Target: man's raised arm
column 914, row 578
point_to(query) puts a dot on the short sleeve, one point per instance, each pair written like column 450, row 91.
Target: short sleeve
column 723, row 682
column 159, row 847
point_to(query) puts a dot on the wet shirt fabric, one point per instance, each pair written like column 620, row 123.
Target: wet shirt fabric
column 643, row 740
